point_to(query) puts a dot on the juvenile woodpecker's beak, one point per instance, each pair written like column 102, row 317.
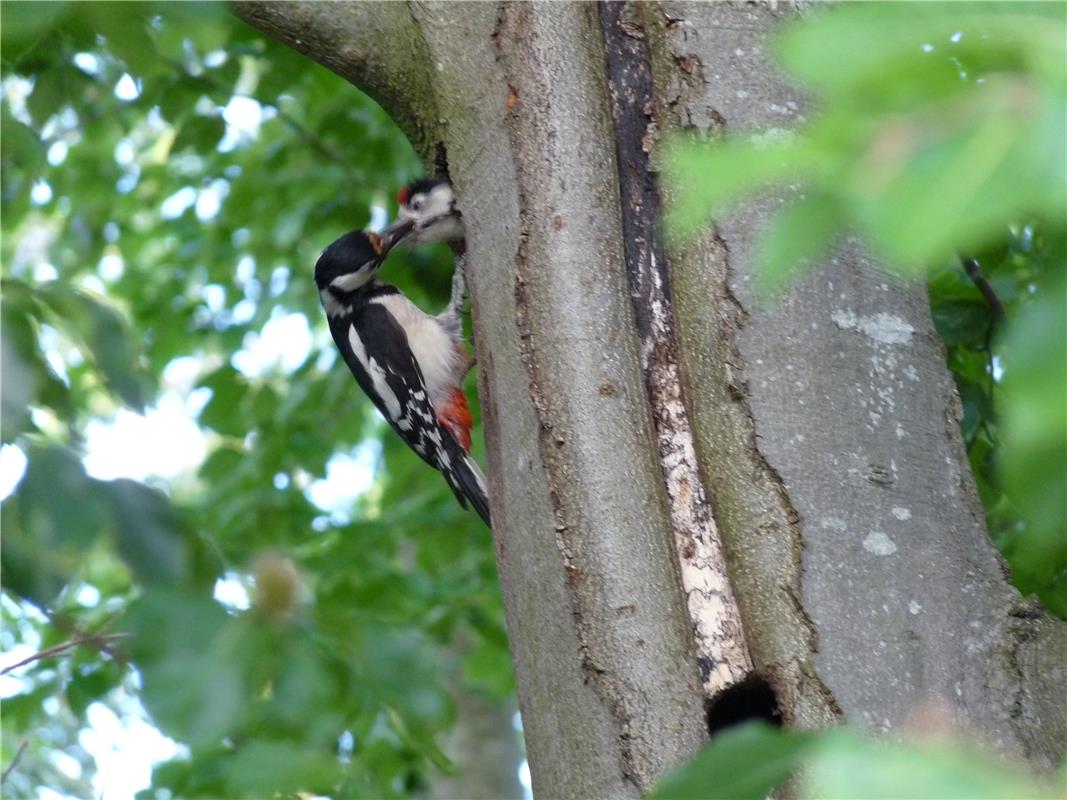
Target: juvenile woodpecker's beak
column 392, row 235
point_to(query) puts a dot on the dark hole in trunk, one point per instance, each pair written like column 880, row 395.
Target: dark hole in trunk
column 752, row 698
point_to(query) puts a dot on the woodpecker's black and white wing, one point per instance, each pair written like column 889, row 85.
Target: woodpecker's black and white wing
column 375, row 348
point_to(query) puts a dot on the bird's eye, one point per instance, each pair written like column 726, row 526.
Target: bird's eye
column 416, row 203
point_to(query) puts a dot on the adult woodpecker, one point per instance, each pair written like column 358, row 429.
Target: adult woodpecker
column 429, row 205
column 409, row 363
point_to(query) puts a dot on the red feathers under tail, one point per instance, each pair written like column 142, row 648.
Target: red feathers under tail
column 455, row 415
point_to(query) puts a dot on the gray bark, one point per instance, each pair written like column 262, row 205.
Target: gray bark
column 607, row 677
column 828, row 429
column 823, row 428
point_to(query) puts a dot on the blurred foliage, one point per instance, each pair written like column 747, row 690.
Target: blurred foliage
column 168, row 178
column 941, row 128
column 750, row 761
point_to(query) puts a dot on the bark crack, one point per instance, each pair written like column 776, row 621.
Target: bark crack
column 759, row 519
column 1020, row 631
column 715, row 619
column 741, row 391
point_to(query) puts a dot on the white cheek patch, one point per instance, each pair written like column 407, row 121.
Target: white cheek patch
column 376, row 373
column 439, row 201
column 439, row 229
column 351, row 281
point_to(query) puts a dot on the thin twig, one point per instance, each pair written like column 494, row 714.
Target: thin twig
column 18, row 754
column 974, row 272
column 99, row 640
column 68, row 625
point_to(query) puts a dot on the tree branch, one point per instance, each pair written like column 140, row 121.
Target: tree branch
column 375, row 46
column 18, row 754
column 101, row 641
column 974, row 272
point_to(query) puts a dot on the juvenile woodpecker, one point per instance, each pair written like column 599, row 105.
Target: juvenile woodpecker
column 409, row 363
column 430, row 206
column 428, row 214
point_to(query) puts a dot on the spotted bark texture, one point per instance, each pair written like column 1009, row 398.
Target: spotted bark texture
column 834, row 453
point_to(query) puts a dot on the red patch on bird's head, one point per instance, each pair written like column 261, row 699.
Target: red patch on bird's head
column 403, row 195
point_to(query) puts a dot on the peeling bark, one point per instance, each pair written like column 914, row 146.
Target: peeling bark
column 713, row 612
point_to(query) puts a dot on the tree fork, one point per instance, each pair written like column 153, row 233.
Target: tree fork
column 843, row 619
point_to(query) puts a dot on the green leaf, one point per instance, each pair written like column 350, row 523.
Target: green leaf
column 795, row 239
column 21, row 159
column 224, row 412
column 61, row 506
column 488, row 668
column 948, row 124
column 1035, row 448
column 104, row 335
column 55, row 516
column 183, row 644
column 844, row 765
column 424, row 743
column 91, row 683
column 149, row 532
column 265, row 768
column 200, row 133
column 50, row 89
column 743, row 763
column 954, row 176
column 963, row 322
column 125, row 26
column 24, row 710
column 223, row 463
column 707, row 179
column 19, row 380
column 977, row 405
column 27, row 380
column 21, row 145
column 25, row 24
column 917, row 44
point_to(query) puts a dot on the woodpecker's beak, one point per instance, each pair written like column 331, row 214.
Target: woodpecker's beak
column 392, row 235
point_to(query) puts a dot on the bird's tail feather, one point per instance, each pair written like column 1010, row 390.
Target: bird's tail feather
column 470, row 484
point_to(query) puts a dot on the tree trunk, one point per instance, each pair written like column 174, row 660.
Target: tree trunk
column 623, row 386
